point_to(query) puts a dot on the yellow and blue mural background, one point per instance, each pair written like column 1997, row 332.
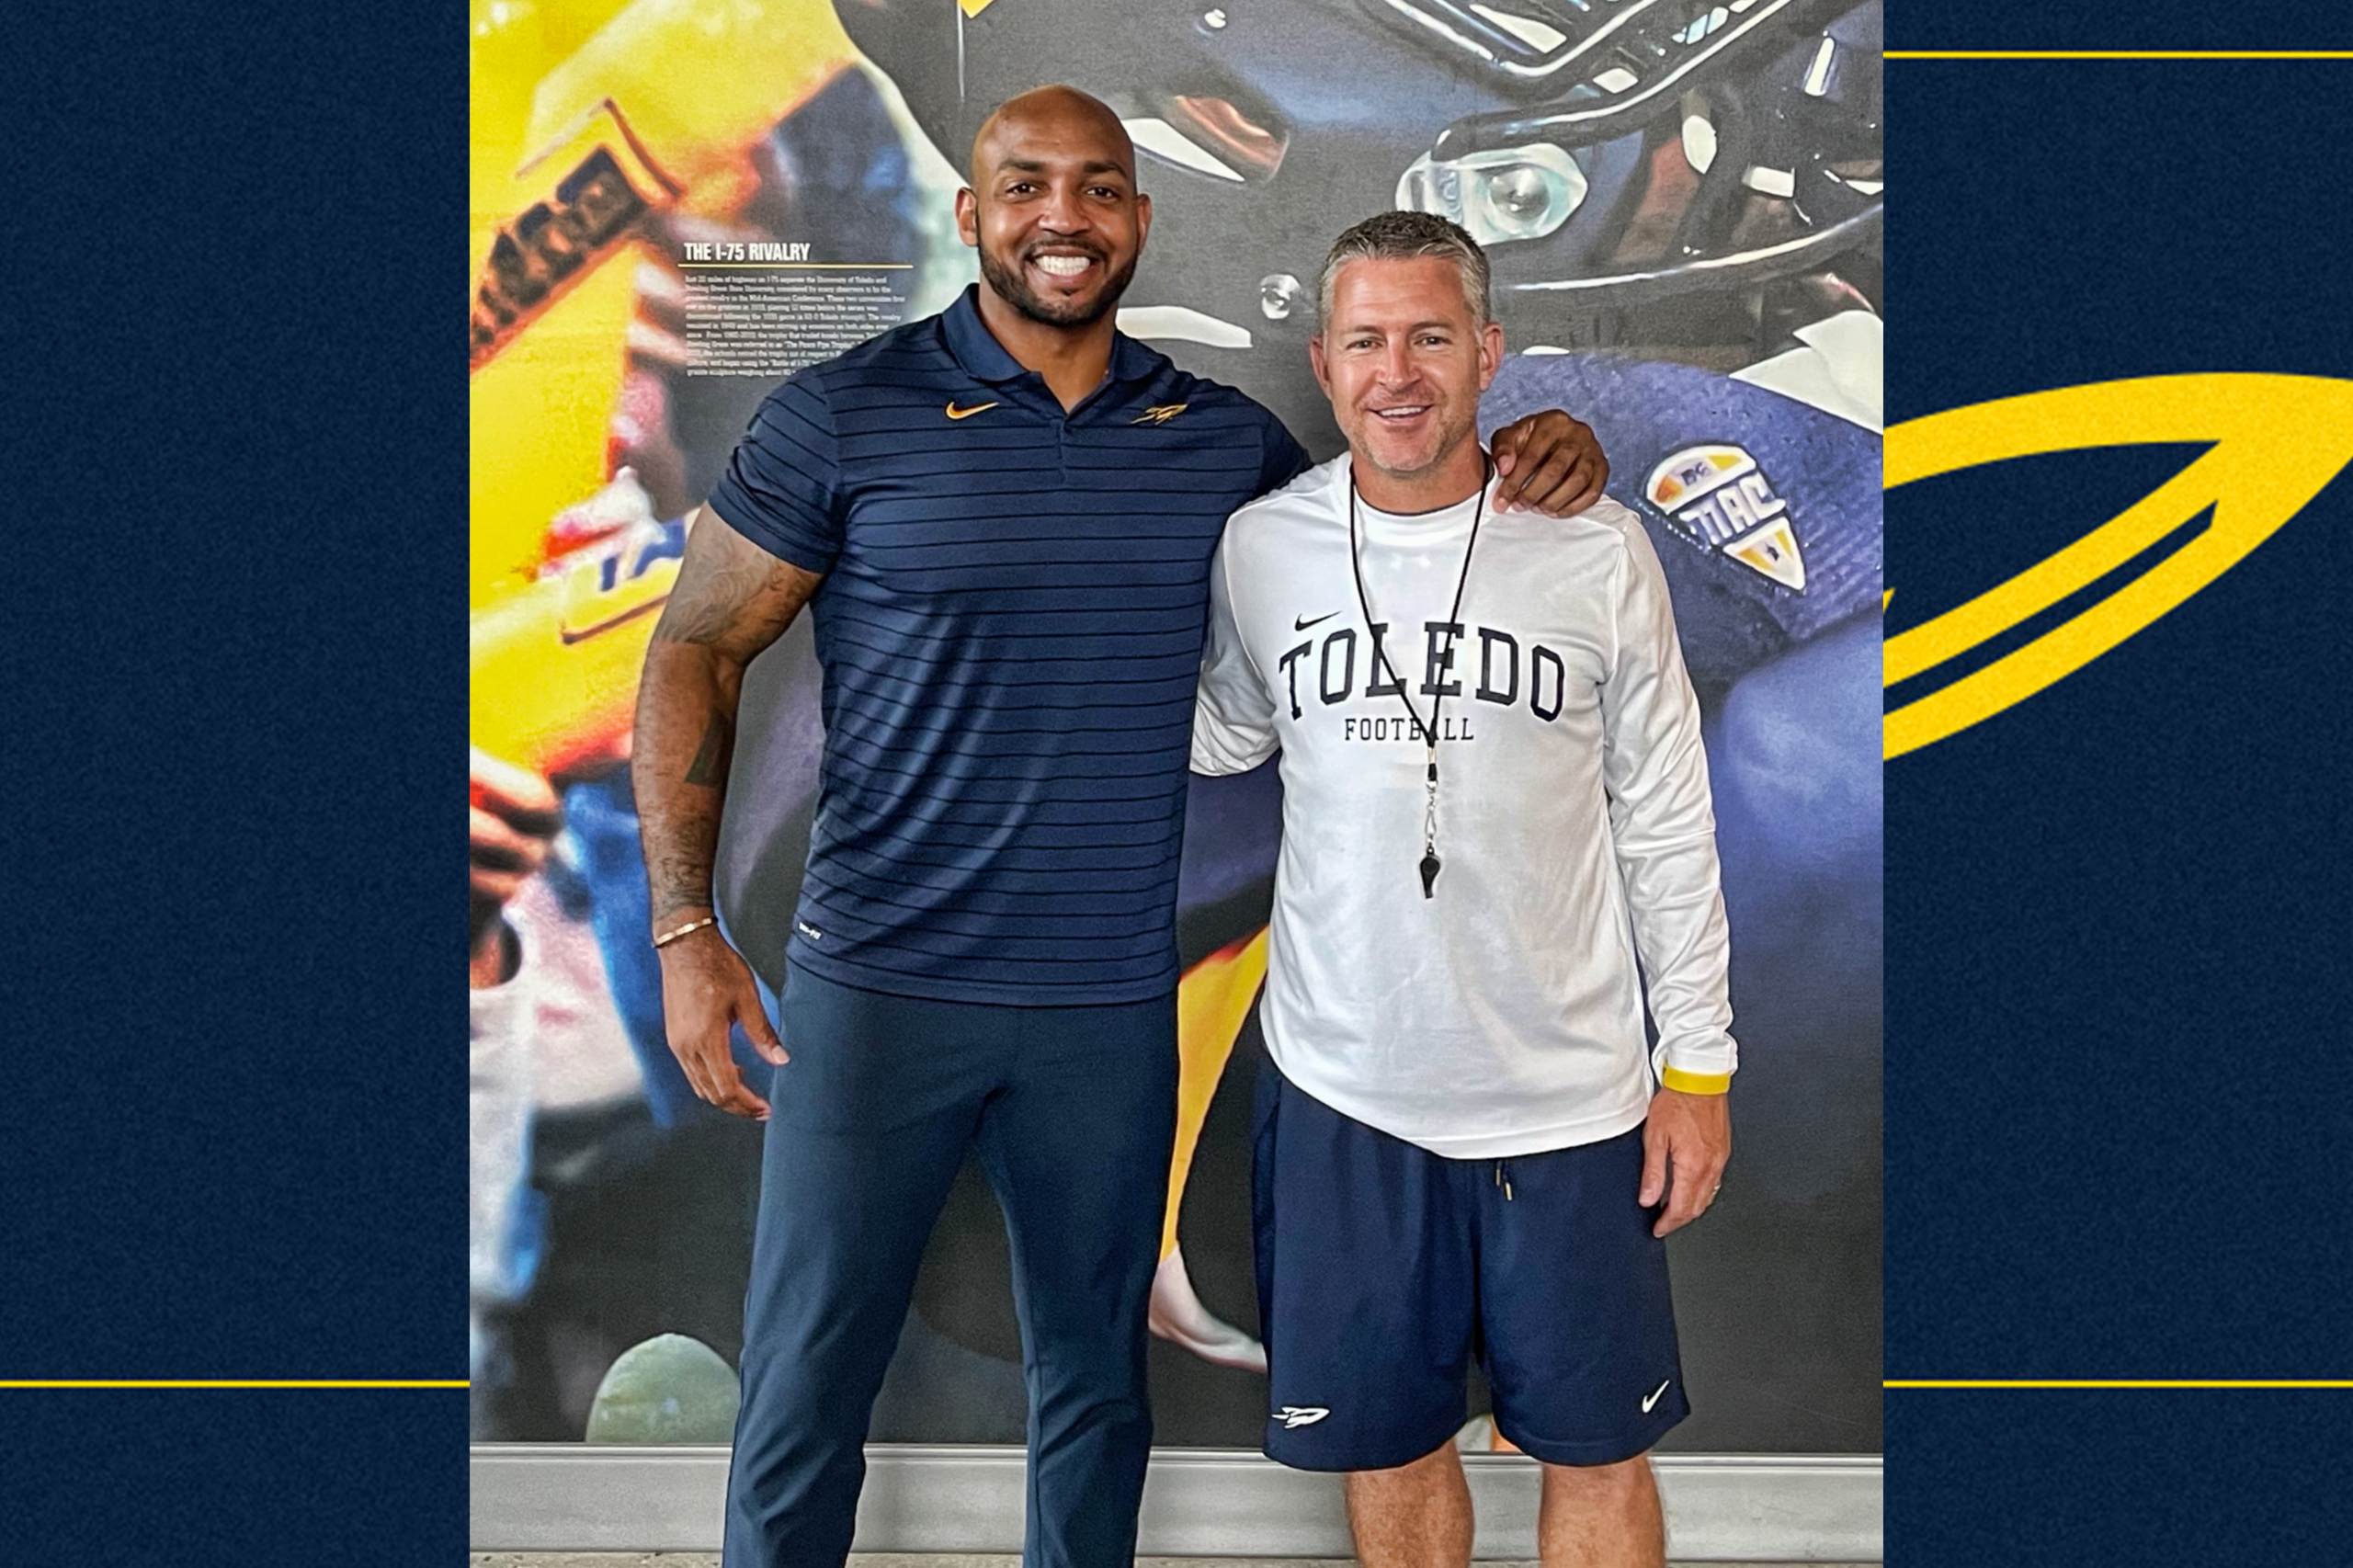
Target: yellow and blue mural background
column 1684, row 209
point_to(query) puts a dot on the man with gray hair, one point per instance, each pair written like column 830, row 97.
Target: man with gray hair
column 1496, row 824
column 1001, row 519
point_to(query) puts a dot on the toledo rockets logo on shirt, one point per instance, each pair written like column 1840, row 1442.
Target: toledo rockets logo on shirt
column 1718, row 495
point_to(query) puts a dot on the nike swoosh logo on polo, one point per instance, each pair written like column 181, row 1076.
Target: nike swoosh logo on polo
column 1300, row 623
column 956, row 413
column 1293, row 1416
column 1653, row 1398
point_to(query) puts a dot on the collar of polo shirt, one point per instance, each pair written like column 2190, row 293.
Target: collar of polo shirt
column 977, row 349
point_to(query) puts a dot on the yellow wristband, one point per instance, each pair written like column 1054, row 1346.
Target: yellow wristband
column 1695, row 1083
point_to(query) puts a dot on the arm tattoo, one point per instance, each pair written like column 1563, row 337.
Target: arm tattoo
column 709, row 765
column 730, row 594
column 679, row 878
column 701, row 611
column 732, row 600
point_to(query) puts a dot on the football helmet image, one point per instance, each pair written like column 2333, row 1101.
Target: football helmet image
column 1668, row 177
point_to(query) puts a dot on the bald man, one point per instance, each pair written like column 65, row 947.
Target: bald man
column 1001, row 519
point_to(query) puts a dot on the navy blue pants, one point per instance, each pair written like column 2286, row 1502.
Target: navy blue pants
column 1071, row 1112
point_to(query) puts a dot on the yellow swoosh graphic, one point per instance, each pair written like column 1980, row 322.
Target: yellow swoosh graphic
column 956, row 413
column 2277, row 441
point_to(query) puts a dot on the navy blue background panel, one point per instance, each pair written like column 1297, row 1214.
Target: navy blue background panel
column 2150, row 24
column 1011, row 627
column 234, row 1136
column 2118, row 945
column 2049, row 1478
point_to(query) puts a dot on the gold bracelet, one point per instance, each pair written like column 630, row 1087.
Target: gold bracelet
column 667, row 937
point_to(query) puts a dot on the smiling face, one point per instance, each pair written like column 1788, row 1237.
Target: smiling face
column 1053, row 207
column 1404, row 362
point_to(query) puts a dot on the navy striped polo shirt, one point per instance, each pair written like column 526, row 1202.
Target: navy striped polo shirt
column 1011, row 627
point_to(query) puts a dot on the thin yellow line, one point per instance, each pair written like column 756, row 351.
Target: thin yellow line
column 2119, row 55
column 233, row 1383
column 2118, row 1383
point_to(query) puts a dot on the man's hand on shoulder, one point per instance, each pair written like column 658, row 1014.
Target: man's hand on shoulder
column 1550, row 463
column 1686, row 1144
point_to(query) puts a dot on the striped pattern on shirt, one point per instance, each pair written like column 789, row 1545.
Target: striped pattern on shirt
column 1011, row 628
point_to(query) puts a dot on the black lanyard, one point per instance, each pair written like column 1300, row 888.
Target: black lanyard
column 1438, row 699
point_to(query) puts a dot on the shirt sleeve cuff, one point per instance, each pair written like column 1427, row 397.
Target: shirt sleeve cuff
column 1695, row 1083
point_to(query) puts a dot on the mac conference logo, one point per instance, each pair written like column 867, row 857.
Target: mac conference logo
column 2276, row 442
column 1719, row 498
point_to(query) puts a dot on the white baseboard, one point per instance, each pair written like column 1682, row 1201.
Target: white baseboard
column 1197, row 1503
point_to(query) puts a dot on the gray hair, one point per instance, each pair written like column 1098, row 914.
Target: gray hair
column 1403, row 237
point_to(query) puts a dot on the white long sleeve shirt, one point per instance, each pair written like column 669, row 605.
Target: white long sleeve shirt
column 1502, row 1016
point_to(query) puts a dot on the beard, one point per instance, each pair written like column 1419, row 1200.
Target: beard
column 1010, row 286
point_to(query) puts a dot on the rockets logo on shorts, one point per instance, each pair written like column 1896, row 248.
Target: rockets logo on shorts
column 1718, row 496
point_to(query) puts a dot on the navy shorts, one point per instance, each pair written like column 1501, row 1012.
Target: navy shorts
column 1385, row 1270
